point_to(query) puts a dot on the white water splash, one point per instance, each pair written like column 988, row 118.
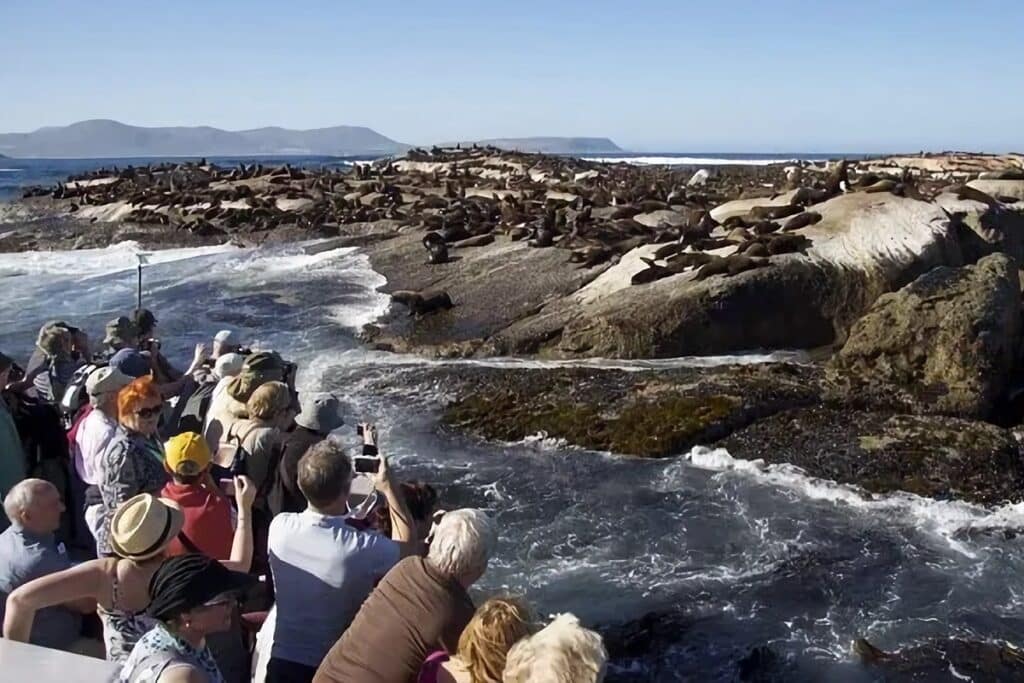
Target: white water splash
column 944, row 518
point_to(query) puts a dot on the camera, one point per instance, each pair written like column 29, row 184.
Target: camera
column 151, row 345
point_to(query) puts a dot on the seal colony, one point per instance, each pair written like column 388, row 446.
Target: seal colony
column 487, row 223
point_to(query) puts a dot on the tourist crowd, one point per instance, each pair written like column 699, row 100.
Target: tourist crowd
column 206, row 525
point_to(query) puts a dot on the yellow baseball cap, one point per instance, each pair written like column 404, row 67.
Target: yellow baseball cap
column 187, row 454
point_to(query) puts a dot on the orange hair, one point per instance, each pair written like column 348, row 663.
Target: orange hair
column 141, row 390
column 497, row 625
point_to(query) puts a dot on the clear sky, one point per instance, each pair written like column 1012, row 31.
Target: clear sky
column 672, row 75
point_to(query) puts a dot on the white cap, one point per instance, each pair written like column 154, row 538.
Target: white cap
column 106, row 380
column 228, row 365
column 227, row 337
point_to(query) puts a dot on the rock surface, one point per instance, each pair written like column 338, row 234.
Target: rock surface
column 947, row 343
column 932, row 456
column 864, row 246
column 774, row 413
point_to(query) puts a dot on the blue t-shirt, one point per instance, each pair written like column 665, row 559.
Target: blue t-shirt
column 25, row 556
column 323, row 572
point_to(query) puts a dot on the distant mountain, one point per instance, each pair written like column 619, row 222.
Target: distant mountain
column 105, row 138
column 551, row 145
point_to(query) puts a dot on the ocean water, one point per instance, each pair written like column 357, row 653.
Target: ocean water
column 736, row 554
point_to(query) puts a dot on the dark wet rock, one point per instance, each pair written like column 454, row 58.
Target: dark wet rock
column 954, row 660
column 632, row 413
column 947, row 343
column 934, row 456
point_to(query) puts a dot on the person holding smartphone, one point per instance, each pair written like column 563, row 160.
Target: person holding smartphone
column 324, row 568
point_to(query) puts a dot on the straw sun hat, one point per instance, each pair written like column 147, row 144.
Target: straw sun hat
column 143, row 526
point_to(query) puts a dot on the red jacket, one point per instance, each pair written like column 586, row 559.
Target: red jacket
column 208, row 524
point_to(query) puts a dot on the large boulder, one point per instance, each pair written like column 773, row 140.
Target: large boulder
column 864, row 246
column 1000, row 189
column 947, row 343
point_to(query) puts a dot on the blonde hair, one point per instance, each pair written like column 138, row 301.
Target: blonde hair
column 497, row 625
column 268, row 401
column 561, row 651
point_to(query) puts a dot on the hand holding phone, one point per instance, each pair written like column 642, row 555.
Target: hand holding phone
column 366, row 464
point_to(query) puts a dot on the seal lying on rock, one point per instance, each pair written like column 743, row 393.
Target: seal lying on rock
column 651, row 273
column 775, row 212
column 478, row 241
column 421, row 303
column 801, row 221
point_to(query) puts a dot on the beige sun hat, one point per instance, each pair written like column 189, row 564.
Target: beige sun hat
column 143, row 526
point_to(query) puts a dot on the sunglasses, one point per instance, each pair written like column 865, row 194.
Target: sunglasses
column 222, row 601
column 147, row 413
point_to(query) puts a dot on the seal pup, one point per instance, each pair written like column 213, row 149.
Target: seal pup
column 436, row 247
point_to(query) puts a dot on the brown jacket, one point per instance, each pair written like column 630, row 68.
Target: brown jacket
column 413, row 611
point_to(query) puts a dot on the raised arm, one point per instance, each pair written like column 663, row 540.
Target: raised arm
column 77, row 587
column 241, row 545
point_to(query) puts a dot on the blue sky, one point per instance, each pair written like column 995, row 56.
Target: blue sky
column 668, row 76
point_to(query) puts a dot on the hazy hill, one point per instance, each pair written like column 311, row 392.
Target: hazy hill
column 105, row 138
column 551, row 145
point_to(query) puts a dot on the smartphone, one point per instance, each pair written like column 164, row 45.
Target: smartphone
column 227, row 486
column 366, row 464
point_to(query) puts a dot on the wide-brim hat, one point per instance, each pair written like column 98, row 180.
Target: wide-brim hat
column 321, row 413
column 143, row 526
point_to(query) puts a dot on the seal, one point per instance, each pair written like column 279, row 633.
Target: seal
column 765, row 227
column 717, row 266
column 807, row 196
column 651, row 273
column 801, row 221
column 477, row 241
column 692, row 259
column 775, row 212
column 667, row 250
column 738, row 263
column 422, row 303
column 436, row 247
column 787, row 244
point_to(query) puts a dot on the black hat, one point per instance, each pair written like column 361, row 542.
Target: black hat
column 188, row 581
column 144, row 319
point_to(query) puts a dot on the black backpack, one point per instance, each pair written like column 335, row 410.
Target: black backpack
column 75, row 395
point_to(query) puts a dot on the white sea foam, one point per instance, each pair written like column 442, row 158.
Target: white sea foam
column 84, row 263
column 10, row 170
column 944, row 518
column 694, row 161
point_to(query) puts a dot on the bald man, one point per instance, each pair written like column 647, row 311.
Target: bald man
column 28, row 550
